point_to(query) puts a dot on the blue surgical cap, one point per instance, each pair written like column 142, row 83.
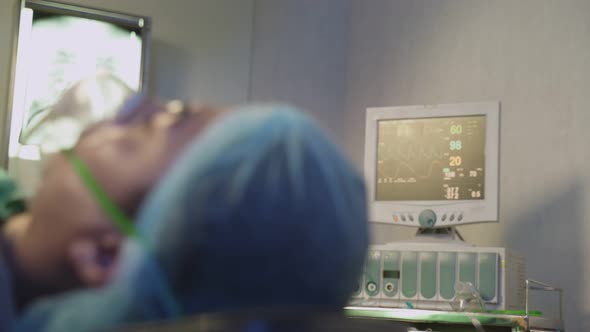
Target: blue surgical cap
column 260, row 211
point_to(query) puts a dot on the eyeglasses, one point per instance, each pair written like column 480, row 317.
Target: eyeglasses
column 112, row 210
column 133, row 110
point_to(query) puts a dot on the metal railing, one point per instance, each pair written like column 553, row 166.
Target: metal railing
column 539, row 286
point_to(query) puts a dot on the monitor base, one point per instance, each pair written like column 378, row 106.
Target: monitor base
column 448, row 236
column 439, row 234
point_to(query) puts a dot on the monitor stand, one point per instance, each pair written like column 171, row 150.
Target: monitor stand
column 435, row 237
column 446, row 234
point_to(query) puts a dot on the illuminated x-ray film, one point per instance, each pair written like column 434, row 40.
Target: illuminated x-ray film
column 63, row 50
column 60, row 45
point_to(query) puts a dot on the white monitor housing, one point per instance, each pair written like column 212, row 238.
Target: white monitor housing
column 433, row 166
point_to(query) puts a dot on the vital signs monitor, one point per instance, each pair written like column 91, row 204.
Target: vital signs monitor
column 433, row 166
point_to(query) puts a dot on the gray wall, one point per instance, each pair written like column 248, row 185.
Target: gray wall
column 299, row 56
column 201, row 50
column 533, row 56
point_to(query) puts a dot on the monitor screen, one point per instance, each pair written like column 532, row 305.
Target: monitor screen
column 431, row 159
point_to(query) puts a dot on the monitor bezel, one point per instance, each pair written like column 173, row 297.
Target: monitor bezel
column 471, row 211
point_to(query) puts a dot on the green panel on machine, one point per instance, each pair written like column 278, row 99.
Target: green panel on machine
column 428, row 274
column 467, row 266
column 409, row 274
column 488, row 273
column 448, row 267
column 391, row 273
column 373, row 273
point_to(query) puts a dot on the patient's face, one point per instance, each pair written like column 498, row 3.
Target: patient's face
column 70, row 240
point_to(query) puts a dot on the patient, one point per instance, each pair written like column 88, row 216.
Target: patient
column 243, row 208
